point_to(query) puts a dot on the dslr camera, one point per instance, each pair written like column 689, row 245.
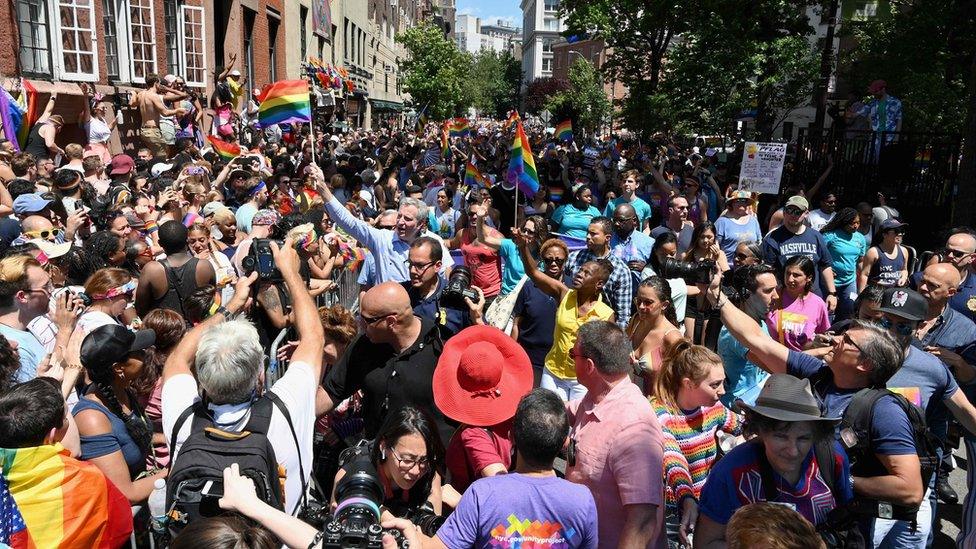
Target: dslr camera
column 356, row 520
column 458, row 287
column 260, row 259
column 692, row 272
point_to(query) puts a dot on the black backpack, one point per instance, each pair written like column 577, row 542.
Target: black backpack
column 855, row 436
column 208, row 450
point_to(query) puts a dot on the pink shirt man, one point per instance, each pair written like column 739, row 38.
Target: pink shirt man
column 619, row 457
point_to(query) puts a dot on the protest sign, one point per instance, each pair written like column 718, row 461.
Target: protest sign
column 762, row 167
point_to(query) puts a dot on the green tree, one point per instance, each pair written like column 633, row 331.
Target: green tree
column 494, row 82
column 585, row 101
column 435, row 71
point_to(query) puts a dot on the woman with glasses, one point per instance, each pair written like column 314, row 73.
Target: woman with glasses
column 747, row 253
column 800, row 314
column 737, row 224
column 534, row 311
column 407, row 457
column 847, row 246
column 109, row 293
column 885, row 264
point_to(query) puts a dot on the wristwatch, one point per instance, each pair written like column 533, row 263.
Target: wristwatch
column 833, row 293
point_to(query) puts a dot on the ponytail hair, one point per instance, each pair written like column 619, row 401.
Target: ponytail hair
column 683, row 360
column 136, row 424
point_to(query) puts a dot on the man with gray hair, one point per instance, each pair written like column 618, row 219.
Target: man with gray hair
column 616, row 447
column 389, row 248
column 228, row 363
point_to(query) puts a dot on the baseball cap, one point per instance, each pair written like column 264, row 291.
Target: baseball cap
column 235, row 72
column 892, row 223
column 110, row 343
column 905, row 303
column 121, row 164
column 30, row 203
column 799, row 202
column 160, row 168
column 211, row 208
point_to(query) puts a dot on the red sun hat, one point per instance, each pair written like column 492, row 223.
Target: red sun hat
column 481, row 376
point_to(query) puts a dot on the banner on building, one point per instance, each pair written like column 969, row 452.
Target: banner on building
column 762, row 167
column 322, row 19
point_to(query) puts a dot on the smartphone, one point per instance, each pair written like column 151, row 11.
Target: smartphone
column 194, row 170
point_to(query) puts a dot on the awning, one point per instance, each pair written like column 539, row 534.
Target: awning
column 380, row 105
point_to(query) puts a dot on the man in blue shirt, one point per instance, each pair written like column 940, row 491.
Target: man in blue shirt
column 25, row 294
column 627, row 243
column 426, row 287
column 793, row 237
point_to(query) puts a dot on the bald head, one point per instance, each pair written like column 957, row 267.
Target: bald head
column 961, row 247
column 624, row 209
column 939, row 283
column 35, row 223
column 945, row 273
column 385, row 299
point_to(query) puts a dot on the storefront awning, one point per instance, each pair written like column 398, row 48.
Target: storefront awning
column 380, row 105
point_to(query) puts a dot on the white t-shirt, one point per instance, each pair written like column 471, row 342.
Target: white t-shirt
column 818, row 218
column 296, row 389
column 90, row 320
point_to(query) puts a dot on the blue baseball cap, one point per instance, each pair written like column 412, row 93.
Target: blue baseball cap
column 30, row 203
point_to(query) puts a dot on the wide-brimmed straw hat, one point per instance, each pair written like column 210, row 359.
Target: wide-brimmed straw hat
column 481, row 376
column 787, row 398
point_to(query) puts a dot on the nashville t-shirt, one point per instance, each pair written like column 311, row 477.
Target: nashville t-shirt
column 515, row 510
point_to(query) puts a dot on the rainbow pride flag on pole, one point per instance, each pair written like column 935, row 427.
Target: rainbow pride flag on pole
column 473, row 178
column 512, row 118
column 59, row 501
column 564, row 131
column 445, row 143
column 28, row 104
column 225, row 150
column 521, row 167
column 284, row 101
column 459, row 127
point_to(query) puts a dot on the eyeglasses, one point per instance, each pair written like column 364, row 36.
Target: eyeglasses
column 956, row 253
column 420, row 267
column 410, row 462
column 848, row 341
column 900, row 328
column 46, row 290
column 370, row 320
column 44, row 233
column 556, row 260
column 528, row 231
column 793, row 211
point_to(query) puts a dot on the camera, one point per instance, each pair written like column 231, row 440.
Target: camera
column 259, row 258
column 458, row 287
column 692, row 272
column 426, row 519
column 356, row 520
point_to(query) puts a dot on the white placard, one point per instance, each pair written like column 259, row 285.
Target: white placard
column 762, row 167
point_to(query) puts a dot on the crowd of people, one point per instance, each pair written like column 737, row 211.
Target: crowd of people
column 639, row 354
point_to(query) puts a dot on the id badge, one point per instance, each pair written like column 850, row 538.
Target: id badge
column 885, row 510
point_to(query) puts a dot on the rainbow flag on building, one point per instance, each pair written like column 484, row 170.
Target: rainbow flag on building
column 512, row 118
column 459, row 127
column 564, row 131
column 28, row 104
column 474, row 178
column 284, row 101
column 521, row 167
column 58, row 501
column 225, row 150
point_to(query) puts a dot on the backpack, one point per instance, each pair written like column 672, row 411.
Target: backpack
column 199, row 466
column 855, row 436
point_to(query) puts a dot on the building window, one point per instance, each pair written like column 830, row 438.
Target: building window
column 303, row 32
column 142, row 30
column 35, row 48
column 345, row 40
column 272, row 48
column 170, row 10
column 59, row 42
column 547, row 64
column 110, row 16
column 551, row 5
column 194, row 53
column 547, row 46
column 551, row 24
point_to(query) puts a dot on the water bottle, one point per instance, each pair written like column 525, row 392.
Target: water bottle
column 157, row 505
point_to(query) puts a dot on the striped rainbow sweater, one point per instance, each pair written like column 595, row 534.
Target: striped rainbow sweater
column 689, row 446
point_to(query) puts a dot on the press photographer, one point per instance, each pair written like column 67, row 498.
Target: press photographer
column 453, row 304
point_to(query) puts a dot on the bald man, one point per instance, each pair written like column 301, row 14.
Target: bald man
column 960, row 251
column 392, row 361
column 36, row 226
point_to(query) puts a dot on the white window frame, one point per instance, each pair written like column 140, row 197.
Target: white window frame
column 131, row 42
column 184, row 53
column 58, row 50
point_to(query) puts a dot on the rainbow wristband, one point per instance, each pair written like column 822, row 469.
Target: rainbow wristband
column 151, row 227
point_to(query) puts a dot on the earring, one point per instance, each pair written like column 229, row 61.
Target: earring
column 383, row 454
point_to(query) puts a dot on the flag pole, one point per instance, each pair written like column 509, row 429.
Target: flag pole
column 311, row 117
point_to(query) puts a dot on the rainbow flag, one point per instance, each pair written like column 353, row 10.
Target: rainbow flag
column 521, row 167
column 11, row 118
column 473, row 177
column 459, row 127
column 224, row 149
column 512, row 118
column 564, row 131
column 28, row 104
column 284, row 101
column 61, row 501
column 445, row 144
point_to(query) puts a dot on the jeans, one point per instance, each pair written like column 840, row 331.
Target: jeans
column 897, row 534
column 567, row 389
column 846, row 295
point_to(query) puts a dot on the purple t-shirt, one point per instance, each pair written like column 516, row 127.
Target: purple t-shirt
column 514, row 510
column 798, row 320
column 735, row 480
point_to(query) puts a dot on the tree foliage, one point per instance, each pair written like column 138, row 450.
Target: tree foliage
column 435, row 70
column 494, row 82
column 540, row 90
column 586, row 99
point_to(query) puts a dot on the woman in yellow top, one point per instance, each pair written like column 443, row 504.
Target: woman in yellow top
column 577, row 305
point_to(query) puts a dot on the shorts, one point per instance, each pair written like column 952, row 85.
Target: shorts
column 153, row 139
column 168, row 132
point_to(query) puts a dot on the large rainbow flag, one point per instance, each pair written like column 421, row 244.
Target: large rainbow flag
column 459, row 127
column 224, row 149
column 564, row 131
column 28, row 104
column 284, row 101
column 60, row 501
column 473, row 178
column 521, row 167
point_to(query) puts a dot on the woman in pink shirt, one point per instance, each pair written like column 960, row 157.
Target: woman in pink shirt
column 484, row 261
column 802, row 314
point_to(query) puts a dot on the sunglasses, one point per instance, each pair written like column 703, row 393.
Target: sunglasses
column 900, row 328
column 955, row 253
column 44, row 233
column 793, row 211
column 370, row 320
column 555, row 260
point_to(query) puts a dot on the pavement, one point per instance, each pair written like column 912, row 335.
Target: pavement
column 950, row 516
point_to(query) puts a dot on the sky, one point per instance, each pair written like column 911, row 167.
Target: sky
column 490, row 10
